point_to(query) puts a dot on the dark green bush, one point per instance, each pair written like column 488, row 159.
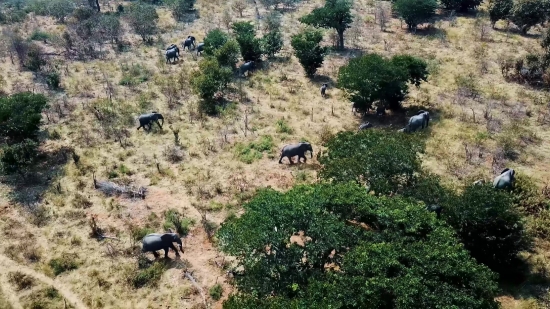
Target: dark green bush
column 415, row 12
column 38, row 35
column 149, row 276
column 500, row 9
column 67, row 262
column 308, row 50
column 53, row 79
column 216, row 292
column 210, row 81
column 177, row 221
column 250, row 46
column 214, row 40
column 528, row 13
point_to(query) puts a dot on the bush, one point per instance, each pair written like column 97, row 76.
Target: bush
column 461, row 5
column 253, row 151
column 528, row 13
column 228, row 54
column 272, row 43
column 250, row 46
column 500, row 9
column 62, row 264
column 415, row 12
column 283, row 127
column 38, row 35
column 134, row 75
column 143, row 19
column 35, row 58
column 216, row 292
column 53, row 79
column 336, row 14
column 149, row 276
column 20, row 280
column 489, row 226
column 180, row 8
column 137, row 233
column 20, row 116
column 176, row 220
column 384, row 161
column 210, row 80
column 214, row 40
column 60, row 9
column 308, row 50
column 17, row 157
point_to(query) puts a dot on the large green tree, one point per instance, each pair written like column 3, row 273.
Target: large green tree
column 209, row 81
column 308, row 50
column 356, row 251
column 415, row 12
column 382, row 160
column 500, row 9
column 143, row 19
column 336, row 14
column 373, row 79
column 214, row 40
column 528, row 13
column 250, row 45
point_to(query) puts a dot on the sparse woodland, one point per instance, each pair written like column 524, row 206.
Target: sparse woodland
column 374, row 218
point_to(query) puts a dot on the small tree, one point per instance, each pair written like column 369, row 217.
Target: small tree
column 110, row 28
column 143, row 19
column 415, row 12
column 18, row 157
column 180, row 8
column 461, row 5
column 528, row 13
column 214, row 40
column 272, row 43
column 251, row 47
column 60, row 9
column 211, row 79
column 336, row 14
column 272, row 21
column 228, row 54
column 239, row 6
column 500, row 9
column 308, row 50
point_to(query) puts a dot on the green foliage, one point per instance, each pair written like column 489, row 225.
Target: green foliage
column 137, row 234
column 336, row 14
column 143, row 19
column 461, row 5
column 149, row 276
column 308, row 50
column 17, row 157
column 38, row 35
column 214, row 40
column 67, row 262
column 250, row 46
column 253, row 151
column 134, row 75
column 216, row 292
column 372, row 78
column 53, row 79
column 273, row 21
column 272, row 43
column 427, row 188
column 35, row 59
column 526, row 196
column 20, row 116
column 60, row 9
column 210, row 80
column 177, row 221
column 528, row 13
column 283, row 127
column 410, row 261
column 228, row 54
column 383, row 160
column 500, row 9
column 109, row 27
column 180, row 8
column 415, row 12
column 488, row 225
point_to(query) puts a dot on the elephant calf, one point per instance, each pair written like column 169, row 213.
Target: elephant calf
column 505, row 180
column 435, row 208
column 148, row 119
column 246, row 67
column 172, row 53
column 188, row 42
column 299, row 150
column 324, row 90
column 154, row 242
column 200, row 48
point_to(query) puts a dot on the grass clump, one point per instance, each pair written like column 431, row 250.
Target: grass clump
column 20, row 280
column 176, row 221
column 216, row 292
column 38, row 35
column 62, row 264
column 283, row 127
column 253, row 151
column 134, row 75
column 149, row 276
column 138, row 233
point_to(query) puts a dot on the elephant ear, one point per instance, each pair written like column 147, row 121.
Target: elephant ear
column 169, row 237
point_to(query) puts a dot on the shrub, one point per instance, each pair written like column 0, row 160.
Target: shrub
column 461, row 5
column 20, row 280
column 53, row 79
column 253, row 151
column 384, row 161
column 500, row 9
column 35, row 58
column 137, row 233
column 214, row 40
column 210, row 80
column 60, row 9
column 415, row 12
column 489, row 226
column 149, row 276
column 38, row 35
column 336, row 14
column 250, row 46
column 308, row 50
column 67, row 262
column 283, row 127
column 18, row 157
column 216, row 292
column 134, row 75
column 228, row 54
column 528, row 13
column 176, row 220
column 272, row 43
column 143, row 19
column 180, row 8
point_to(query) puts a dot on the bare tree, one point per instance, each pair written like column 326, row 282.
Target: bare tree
column 239, row 6
column 382, row 14
column 227, row 19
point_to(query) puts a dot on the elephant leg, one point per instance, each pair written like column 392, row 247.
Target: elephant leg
column 175, row 249
column 290, row 159
column 305, row 159
column 158, row 123
column 166, row 252
column 281, row 160
column 140, row 127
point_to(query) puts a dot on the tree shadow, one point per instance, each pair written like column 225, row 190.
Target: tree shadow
column 516, row 30
column 347, row 52
column 521, row 281
column 28, row 189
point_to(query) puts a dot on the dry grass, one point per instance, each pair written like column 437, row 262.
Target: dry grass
column 212, row 163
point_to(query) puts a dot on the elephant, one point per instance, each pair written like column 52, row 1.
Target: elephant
column 365, row 126
column 323, row 90
column 172, row 54
column 416, row 122
column 293, row 150
column 505, row 180
column 188, row 42
column 154, row 242
column 173, row 46
column 200, row 48
column 435, row 208
column 380, row 111
column 147, row 119
column 245, row 67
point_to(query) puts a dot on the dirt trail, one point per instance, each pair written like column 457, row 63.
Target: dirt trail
column 8, row 265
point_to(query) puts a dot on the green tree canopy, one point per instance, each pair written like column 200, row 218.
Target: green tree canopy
column 251, row 47
column 210, row 80
column 500, row 9
column 372, row 78
column 143, row 19
column 528, row 13
column 20, row 116
column 461, row 5
column 308, row 50
column 402, row 257
column 336, row 14
column 415, row 12
column 382, row 160
column 272, row 43
column 214, row 40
